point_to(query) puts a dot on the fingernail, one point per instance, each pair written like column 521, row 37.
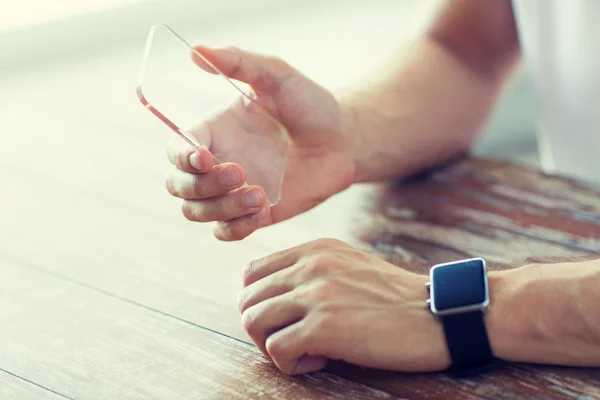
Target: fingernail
column 231, row 177
column 262, row 214
column 253, row 198
column 195, row 161
column 308, row 364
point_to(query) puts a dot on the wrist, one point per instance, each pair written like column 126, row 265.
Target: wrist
column 505, row 328
column 352, row 127
column 514, row 323
column 537, row 314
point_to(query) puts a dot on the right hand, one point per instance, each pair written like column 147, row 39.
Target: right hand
column 319, row 160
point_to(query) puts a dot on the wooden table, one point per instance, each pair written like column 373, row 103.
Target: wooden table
column 106, row 292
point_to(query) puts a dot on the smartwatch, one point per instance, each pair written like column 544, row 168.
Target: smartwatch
column 459, row 297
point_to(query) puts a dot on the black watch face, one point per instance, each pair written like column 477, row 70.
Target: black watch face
column 459, row 286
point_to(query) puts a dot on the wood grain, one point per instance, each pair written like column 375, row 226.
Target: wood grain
column 164, row 265
column 103, row 255
column 506, row 383
column 88, row 345
column 480, row 207
column 14, row 388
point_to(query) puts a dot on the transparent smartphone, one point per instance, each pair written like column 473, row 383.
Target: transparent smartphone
column 197, row 101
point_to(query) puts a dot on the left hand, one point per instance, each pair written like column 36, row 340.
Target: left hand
column 327, row 300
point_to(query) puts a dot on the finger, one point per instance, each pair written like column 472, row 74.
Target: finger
column 240, row 228
column 263, row 73
column 261, row 320
column 189, row 158
column 221, row 179
column 266, row 266
column 235, row 204
column 199, row 56
column 263, row 290
column 263, row 267
column 291, row 351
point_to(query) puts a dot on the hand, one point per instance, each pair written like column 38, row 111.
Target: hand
column 326, row 300
column 319, row 159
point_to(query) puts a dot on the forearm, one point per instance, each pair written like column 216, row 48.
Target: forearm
column 426, row 110
column 547, row 313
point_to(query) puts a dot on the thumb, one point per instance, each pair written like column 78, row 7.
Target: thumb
column 262, row 72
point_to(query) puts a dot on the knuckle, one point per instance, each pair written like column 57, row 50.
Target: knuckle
column 188, row 210
column 327, row 243
column 279, row 62
column 249, row 322
column 228, row 231
column 233, row 49
column 248, row 272
column 221, row 230
column 241, row 301
column 321, row 264
column 235, row 232
column 237, row 66
column 170, row 184
column 324, row 290
column 181, row 184
column 315, row 267
column 197, row 210
column 274, row 348
column 286, row 368
column 183, row 160
column 359, row 255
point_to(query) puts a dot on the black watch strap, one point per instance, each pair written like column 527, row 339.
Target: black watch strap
column 468, row 342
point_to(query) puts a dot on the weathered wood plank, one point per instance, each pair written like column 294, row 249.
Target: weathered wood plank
column 14, row 388
column 463, row 210
column 506, row 383
column 89, row 345
column 90, row 265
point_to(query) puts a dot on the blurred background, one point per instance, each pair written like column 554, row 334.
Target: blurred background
column 73, row 64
